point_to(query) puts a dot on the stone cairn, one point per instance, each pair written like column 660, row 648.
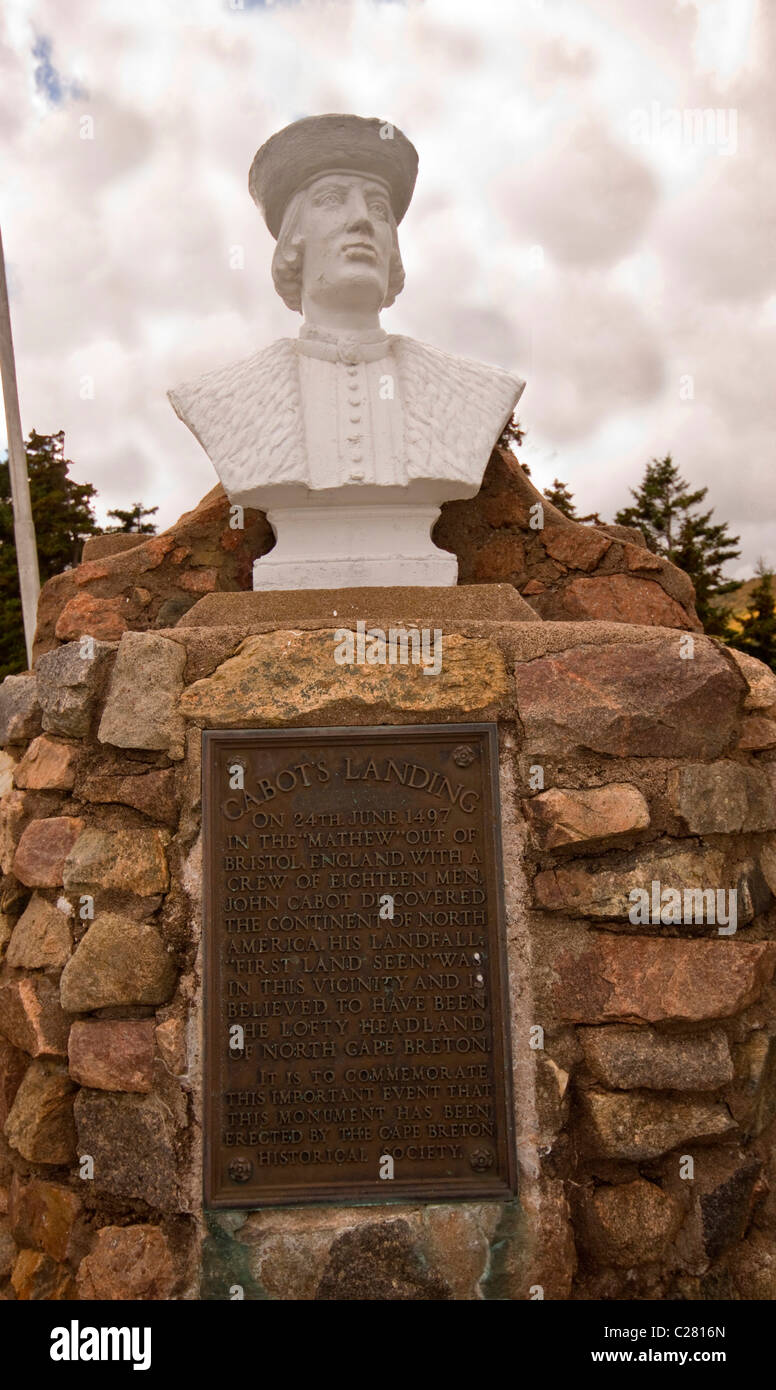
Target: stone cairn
column 634, row 751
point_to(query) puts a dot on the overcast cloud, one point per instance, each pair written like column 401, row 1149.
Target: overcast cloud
column 571, row 222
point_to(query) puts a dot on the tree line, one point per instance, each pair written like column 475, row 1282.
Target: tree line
column 672, row 517
column 63, row 512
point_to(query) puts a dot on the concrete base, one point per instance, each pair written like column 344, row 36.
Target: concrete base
column 477, row 602
column 339, row 547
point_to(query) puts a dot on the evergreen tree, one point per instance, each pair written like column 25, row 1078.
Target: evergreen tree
column 63, row 516
column 512, row 433
column 561, row 498
column 757, row 636
column 666, row 510
column 702, row 551
column 132, row 520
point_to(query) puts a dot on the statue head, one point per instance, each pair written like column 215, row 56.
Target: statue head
column 338, row 239
column 333, row 189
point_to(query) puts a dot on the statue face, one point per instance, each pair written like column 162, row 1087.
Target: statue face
column 348, row 232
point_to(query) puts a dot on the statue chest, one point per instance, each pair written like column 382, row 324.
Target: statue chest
column 353, row 421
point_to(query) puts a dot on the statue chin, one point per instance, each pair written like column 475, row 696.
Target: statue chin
column 358, row 288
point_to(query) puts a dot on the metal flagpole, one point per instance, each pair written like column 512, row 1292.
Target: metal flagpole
column 23, row 525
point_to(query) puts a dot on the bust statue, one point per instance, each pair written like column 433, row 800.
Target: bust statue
column 348, row 437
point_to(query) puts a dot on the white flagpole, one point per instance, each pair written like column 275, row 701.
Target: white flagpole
column 23, row 525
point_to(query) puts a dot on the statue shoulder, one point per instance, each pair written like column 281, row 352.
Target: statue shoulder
column 264, row 373
column 459, row 373
column 455, row 410
column 246, row 415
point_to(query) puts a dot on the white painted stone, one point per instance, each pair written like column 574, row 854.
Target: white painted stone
column 340, row 547
column 349, row 438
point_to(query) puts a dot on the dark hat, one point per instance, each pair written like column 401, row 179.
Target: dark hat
column 319, row 145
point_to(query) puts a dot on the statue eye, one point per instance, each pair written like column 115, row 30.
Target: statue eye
column 332, row 196
column 381, row 209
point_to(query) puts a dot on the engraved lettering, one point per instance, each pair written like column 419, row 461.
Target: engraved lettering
column 353, row 947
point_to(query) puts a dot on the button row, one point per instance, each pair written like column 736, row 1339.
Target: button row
column 355, row 401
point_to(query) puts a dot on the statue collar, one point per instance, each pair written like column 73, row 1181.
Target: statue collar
column 348, row 348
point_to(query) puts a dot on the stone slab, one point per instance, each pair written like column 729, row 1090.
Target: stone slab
column 141, row 706
column 98, row 547
column 486, row 602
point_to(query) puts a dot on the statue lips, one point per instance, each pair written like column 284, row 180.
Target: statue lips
column 360, row 248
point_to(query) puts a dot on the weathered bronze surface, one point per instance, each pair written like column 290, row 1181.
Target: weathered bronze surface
column 354, row 933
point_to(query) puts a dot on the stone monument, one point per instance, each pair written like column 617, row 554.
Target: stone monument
column 463, row 1068
column 348, row 437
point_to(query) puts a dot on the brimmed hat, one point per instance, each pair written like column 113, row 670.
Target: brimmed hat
column 320, row 145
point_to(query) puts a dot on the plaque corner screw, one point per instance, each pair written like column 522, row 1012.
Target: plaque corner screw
column 463, row 755
column 240, row 1170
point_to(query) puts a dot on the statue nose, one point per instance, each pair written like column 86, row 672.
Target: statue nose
column 360, row 222
column 358, row 211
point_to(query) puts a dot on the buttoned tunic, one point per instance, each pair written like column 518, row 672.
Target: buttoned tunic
column 352, row 410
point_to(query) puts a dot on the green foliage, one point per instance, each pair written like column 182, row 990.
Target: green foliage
column 132, row 520
column 63, row 516
column 661, row 499
column 666, row 510
column 561, row 498
column 757, row 635
column 512, row 433
column 702, row 551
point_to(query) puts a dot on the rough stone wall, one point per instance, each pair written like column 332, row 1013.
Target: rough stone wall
column 566, row 570
column 658, row 1039
column 563, row 569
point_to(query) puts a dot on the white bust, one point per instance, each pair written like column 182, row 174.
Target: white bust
column 349, row 438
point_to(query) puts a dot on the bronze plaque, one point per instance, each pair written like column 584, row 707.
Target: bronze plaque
column 356, row 1037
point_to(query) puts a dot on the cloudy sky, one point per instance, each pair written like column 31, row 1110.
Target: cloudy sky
column 595, row 210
